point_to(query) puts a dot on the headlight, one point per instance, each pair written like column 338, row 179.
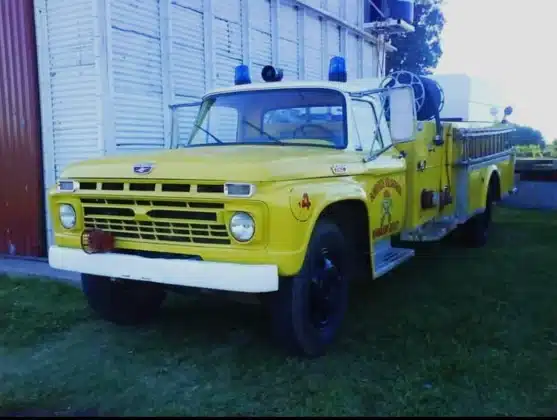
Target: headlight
column 242, row 227
column 67, row 216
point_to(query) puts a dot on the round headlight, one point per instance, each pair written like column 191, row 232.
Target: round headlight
column 242, row 226
column 67, row 216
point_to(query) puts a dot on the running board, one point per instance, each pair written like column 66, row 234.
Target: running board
column 384, row 260
column 430, row 232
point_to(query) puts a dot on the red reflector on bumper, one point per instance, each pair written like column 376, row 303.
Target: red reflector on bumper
column 96, row 241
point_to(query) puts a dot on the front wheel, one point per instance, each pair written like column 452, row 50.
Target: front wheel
column 308, row 309
column 123, row 302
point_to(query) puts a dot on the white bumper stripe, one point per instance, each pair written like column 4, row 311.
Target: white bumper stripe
column 204, row 274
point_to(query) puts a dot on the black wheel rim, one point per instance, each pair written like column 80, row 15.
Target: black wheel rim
column 324, row 288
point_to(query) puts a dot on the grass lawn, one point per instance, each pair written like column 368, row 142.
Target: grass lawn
column 453, row 332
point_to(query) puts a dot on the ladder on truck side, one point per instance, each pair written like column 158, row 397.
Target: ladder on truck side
column 477, row 148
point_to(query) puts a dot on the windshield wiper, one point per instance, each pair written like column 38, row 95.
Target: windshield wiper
column 208, row 133
column 262, row 132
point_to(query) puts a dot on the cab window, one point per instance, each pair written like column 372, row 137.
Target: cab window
column 297, row 116
column 365, row 118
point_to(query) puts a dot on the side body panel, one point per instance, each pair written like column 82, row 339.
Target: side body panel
column 463, row 165
column 429, row 167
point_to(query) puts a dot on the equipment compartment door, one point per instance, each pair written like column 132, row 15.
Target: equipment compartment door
column 426, row 169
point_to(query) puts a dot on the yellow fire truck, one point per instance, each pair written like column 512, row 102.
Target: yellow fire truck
column 283, row 190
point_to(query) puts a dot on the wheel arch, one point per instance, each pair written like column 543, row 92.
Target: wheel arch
column 343, row 203
column 351, row 215
column 492, row 182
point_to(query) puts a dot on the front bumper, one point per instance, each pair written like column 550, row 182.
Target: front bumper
column 249, row 278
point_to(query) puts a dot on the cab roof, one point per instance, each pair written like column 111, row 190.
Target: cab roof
column 352, row 86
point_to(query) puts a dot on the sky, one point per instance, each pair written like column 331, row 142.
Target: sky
column 512, row 46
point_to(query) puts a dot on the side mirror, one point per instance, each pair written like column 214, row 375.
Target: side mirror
column 402, row 114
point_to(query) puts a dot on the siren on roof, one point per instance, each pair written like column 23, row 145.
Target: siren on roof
column 270, row 74
column 337, row 69
column 241, row 75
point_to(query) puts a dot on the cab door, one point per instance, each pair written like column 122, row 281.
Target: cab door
column 384, row 175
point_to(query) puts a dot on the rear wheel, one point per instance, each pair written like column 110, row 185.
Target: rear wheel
column 475, row 231
column 123, row 302
column 308, row 309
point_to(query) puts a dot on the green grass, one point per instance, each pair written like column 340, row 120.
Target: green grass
column 453, row 332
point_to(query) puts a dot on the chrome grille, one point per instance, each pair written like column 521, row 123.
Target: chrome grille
column 145, row 186
column 157, row 220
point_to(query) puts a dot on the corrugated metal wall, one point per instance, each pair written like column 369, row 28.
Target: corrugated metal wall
column 136, row 76
column 168, row 51
column 21, row 210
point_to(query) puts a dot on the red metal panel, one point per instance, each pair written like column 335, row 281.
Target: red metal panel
column 21, row 198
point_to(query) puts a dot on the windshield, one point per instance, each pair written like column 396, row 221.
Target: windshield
column 314, row 117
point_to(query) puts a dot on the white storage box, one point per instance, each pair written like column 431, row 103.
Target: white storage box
column 470, row 99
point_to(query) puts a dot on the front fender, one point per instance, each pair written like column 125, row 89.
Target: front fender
column 308, row 201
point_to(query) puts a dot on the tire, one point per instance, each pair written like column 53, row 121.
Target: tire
column 308, row 309
column 476, row 230
column 124, row 302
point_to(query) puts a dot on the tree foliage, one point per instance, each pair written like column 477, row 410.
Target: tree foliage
column 419, row 52
column 524, row 135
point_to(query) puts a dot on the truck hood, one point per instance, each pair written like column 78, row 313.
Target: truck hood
column 248, row 163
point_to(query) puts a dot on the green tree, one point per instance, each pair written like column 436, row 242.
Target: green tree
column 524, row 135
column 419, row 52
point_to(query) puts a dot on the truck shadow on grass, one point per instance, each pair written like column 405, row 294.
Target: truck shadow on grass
column 214, row 320
column 443, row 277
column 40, row 412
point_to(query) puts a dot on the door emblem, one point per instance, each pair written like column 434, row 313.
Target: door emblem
column 384, row 189
column 142, row 168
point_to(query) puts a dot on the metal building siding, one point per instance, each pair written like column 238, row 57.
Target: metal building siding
column 353, row 11
column 261, row 49
column 315, row 3
column 189, row 77
column 313, row 47
column 227, row 31
column 137, row 85
column 369, row 65
column 289, row 42
column 333, row 40
column 228, row 42
column 352, row 55
column 335, row 7
column 187, row 59
column 21, row 222
column 74, row 82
